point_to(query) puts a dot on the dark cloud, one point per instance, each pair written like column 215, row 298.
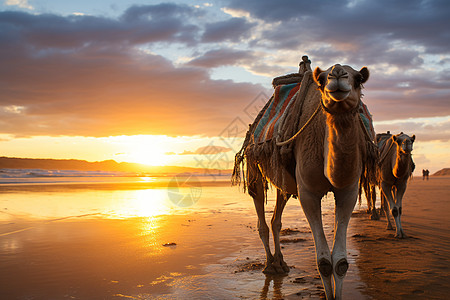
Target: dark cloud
column 222, row 57
column 50, row 31
column 355, row 26
column 232, row 30
column 424, row 131
column 142, row 13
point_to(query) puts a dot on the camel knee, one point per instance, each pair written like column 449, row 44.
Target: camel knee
column 341, row 267
column 276, row 226
column 395, row 212
column 263, row 231
column 325, row 267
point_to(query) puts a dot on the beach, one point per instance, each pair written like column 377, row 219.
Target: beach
column 417, row 267
column 142, row 239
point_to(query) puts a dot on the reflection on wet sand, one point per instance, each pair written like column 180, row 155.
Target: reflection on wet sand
column 102, row 243
column 277, row 287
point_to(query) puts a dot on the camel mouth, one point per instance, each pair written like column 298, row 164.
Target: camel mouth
column 339, row 95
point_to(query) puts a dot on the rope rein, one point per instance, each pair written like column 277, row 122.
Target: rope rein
column 301, row 129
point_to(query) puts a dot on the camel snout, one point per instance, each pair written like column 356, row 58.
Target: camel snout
column 338, row 86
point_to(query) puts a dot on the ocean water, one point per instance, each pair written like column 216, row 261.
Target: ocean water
column 105, row 235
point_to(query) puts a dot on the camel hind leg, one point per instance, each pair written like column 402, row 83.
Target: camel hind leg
column 373, row 200
column 256, row 190
column 279, row 266
column 385, row 208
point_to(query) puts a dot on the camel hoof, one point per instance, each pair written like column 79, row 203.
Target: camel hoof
column 401, row 236
column 269, row 270
column 276, row 268
column 341, row 267
column 325, row 267
column 285, row 267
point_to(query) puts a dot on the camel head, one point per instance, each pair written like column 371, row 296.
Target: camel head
column 404, row 142
column 340, row 87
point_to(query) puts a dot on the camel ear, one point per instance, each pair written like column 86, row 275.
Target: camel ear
column 413, row 138
column 364, row 73
column 317, row 78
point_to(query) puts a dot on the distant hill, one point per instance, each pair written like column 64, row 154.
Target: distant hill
column 107, row 165
column 443, row 172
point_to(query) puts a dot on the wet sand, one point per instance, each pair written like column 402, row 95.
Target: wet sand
column 417, row 267
column 213, row 251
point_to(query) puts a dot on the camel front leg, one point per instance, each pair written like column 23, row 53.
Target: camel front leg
column 263, row 229
column 256, row 190
column 311, row 205
column 401, row 188
column 279, row 266
column 345, row 202
column 388, row 195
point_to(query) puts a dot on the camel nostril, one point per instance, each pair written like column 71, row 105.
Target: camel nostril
column 339, row 72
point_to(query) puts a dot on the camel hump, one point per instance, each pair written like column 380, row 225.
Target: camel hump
column 382, row 139
column 304, row 66
column 384, row 142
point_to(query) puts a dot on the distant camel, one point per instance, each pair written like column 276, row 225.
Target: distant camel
column 330, row 151
column 395, row 168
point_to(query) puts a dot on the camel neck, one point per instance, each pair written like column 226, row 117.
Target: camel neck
column 402, row 164
column 342, row 150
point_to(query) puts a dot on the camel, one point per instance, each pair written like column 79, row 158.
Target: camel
column 395, row 168
column 330, row 153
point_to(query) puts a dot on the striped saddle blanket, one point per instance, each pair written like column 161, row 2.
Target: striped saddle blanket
column 283, row 97
column 366, row 118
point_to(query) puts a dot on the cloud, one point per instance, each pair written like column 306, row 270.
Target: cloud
column 101, row 76
column 234, row 30
column 206, row 150
column 84, row 75
column 222, row 57
column 425, row 131
column 348, row 27
column 19, row 3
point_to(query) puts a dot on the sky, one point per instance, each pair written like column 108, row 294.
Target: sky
column 177, row 83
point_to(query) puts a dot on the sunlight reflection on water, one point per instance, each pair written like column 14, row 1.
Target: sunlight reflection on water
column 133, row 222
column 142, row 203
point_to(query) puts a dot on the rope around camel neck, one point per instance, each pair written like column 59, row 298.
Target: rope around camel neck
column 301, row 129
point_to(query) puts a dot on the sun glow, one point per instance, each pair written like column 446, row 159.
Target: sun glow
column 142, row 149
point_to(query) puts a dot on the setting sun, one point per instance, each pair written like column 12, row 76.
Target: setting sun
column 143, row 149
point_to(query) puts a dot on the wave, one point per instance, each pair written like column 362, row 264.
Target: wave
column 39, row 173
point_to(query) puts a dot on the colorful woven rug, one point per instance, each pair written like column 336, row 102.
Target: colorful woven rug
column 282, row 98
column 366, row 117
